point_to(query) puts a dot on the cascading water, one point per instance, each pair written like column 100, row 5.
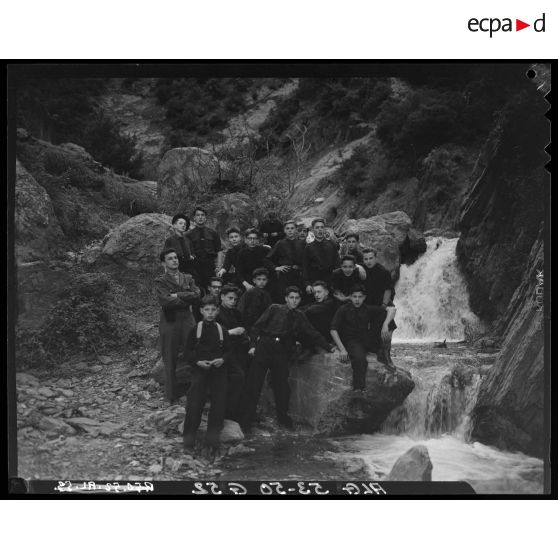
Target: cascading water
column 432, row 305
column 431, row 297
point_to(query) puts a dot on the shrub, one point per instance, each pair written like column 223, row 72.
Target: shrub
column 56, row 162
column 85, row 319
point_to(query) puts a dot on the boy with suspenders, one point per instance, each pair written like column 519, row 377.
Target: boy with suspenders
column 208, row 348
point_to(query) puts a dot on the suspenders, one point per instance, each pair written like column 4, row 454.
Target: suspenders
column 219, row 329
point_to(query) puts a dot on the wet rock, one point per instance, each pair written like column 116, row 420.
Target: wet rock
column 137, row 242
column 413, row 246
column 185, row 170
column 414, row 465
column 322, row 397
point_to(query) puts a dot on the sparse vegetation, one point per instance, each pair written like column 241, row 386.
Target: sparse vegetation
column 85, row 318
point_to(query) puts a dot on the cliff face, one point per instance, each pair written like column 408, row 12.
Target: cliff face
column 509, row 411
column 502, row 212
column 501, row 250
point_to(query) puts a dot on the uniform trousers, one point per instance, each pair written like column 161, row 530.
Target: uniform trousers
column 212, row 382
column 173, row 334
column 270, row 355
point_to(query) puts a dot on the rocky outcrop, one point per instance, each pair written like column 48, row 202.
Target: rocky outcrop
column 503, row 210
column 413, row 465
column 509, row 412
column 386, row 233
column 322, row 397
column 138, row 242
column 183, row 173
column 37, row 231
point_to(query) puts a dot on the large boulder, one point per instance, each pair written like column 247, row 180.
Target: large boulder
column 386, row 233
column 232, row 210
column 414, row 465
column 184, row 172
column 138, row 242
column 322, row 397
column 509, row 412
column 37, row 230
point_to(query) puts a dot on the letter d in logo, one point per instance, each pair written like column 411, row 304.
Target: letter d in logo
column 539, row 24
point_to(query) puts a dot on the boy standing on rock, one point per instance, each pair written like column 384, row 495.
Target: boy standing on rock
column 273, row 339
column 358, row 329
column 179, row 242
column 208, row 347
column 176, row 292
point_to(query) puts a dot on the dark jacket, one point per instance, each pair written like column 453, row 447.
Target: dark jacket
column 252, row 304
column 288, row 326
column 340, row 282
column 250, row 259
column 231, row 318
column 183, row 248
column 287, row 252
column 205, row 242
column 186, row 290
column 320, row 258
column 320, row 315
column 209, row 345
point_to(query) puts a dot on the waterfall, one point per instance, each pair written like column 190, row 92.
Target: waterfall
column 431, row 297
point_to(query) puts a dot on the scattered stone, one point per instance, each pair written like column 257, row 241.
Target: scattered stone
column 167, row 420
column 47, row 392
column 240, row 449
column 24, row 378
column 49, row 424
column 155, row 468
column 138, row 373
column 96, row 368
column 66, row 392
column 105, row 359
column 81, row 366
column 231, row 432
column 414, row 465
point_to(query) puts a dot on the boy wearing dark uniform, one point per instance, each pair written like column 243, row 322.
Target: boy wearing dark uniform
column 253, row 256
column 320, row 313
column 357, row 329
column 206, row 246
column 180, row 243
column 351, row 247
column 272, row 340
column 320, row 257
column 345, row 278
column 176, row 292
column 287, row 257
column 256, row 300
column 229, row 317
column 228, row 271
column 379, row 292
column 208, row 348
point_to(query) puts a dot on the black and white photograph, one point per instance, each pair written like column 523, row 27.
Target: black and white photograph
column 298, row 275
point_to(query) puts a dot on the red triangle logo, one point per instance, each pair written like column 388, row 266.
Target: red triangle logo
column 519, row 25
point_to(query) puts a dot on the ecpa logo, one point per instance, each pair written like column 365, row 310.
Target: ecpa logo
column 494, row 24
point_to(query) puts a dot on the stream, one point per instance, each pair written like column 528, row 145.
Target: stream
column 432, row 303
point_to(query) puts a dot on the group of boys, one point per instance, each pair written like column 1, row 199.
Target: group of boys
column 238, row 313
